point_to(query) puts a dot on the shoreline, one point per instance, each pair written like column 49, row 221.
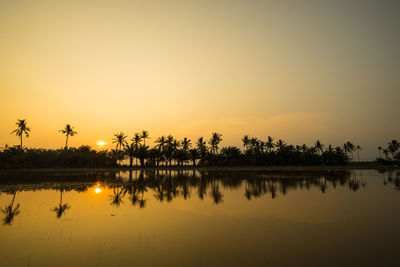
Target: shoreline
column 216, row 168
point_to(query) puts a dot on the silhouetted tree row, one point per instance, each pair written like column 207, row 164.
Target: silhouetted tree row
column 168, row 151
column 84, row 156
column 391, row 154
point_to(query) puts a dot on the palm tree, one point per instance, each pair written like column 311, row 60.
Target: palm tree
column 194, row 153
column 161, row 141
column 68, row 131
column 393, row 147
column 120, row 140
column 214, row 142
column 170, row 148
column 319, row 147
column 201, row 146
column 358, row 147
column 145, row 135
column 186, row 143
column 136, row 139
column 270, row 143
column 386, row 153
column 136, row 142
column 246, row 141
column 130, row 151
column 349, row 148
column 304, row 148
column 280, row 144
column 61, row 208
column 22, row 128
column 380, row 151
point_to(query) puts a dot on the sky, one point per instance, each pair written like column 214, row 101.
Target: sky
column 294, row 70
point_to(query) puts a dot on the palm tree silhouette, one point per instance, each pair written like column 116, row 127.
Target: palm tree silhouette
column 61, row 208
column 10, row 212
column 120, row 140
column 136, row 142
column 68, row 131
column 130, row 151
column 358, row 151
column 145, row 135
column 214, row 142
column 186, row 144
column 22, row 128
column 393, row 147
column 246, row 141
column 319, row 147
column 201, row 146
column 270, row 143
column 380, row 151
column 349, row 148
column 194, row 154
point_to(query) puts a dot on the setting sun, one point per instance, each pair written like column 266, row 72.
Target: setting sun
column 101, row 143
column 97, row 190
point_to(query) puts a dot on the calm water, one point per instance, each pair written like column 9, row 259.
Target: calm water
column 200, row 219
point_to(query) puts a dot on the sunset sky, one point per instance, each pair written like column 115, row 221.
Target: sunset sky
column 295, row 70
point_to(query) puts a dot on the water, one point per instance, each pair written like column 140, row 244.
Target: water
column 200, row 219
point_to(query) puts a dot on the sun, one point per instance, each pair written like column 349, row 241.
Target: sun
column 101, row 143
column 97, row 190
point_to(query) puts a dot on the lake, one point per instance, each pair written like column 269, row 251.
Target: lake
column 200, row 218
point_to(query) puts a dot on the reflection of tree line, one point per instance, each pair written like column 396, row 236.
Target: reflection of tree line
column 169, row 185
column 392, row 177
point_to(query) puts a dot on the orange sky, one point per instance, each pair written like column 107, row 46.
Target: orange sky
column 296, row 71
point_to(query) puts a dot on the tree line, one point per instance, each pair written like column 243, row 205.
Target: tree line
column 169, row 151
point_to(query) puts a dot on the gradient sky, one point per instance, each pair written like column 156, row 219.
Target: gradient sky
column 295, row 70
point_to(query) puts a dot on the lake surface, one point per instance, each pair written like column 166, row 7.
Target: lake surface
column 191, row 218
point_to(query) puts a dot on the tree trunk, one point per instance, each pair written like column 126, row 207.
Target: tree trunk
column 66, row 143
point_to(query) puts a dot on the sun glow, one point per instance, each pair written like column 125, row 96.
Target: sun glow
column 101, row 143
column 97, row 190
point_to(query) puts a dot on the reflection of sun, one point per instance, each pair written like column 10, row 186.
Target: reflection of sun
column 101, row 143
column 97, row 190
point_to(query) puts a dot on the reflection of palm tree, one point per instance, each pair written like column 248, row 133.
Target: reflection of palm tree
column 116, row 198
column 22, row 128
column 61, row 208
column 68, row 131
column 215, row 193
column 10, row 212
